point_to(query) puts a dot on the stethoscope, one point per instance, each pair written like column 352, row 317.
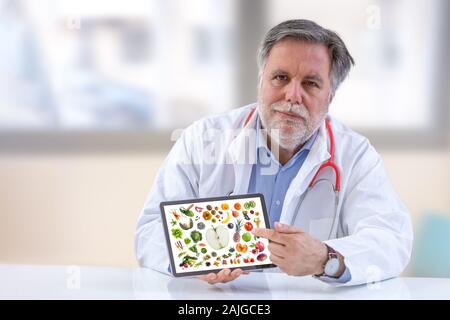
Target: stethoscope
column 337, row 182
column 327, row 164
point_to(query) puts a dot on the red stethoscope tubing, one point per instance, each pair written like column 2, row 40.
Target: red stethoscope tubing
column 329, row 163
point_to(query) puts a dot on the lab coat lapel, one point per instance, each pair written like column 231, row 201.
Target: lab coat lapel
column 316, row 156
column 242, row 153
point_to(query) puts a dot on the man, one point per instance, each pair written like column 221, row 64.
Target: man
column 349, row 227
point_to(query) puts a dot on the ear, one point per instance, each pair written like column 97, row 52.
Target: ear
column 330, row 97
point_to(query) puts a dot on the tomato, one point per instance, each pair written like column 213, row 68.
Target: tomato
column 248, row 226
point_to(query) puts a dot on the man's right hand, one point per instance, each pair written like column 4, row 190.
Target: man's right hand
column 223, row 276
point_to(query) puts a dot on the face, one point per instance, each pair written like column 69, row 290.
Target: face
column 295, row 91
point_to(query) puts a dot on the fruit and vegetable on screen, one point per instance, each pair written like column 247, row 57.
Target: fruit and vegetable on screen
column 212, row 236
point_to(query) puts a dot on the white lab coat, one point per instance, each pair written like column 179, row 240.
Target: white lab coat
column 374, row 232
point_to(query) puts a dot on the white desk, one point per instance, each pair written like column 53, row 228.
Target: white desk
column 64, row 282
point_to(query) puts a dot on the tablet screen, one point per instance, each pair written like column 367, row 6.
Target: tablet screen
column 210, row 234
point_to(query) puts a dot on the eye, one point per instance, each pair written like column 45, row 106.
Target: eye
column 280, row 77
column 312, row 84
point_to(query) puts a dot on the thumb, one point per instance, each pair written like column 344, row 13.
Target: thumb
column 285, row 228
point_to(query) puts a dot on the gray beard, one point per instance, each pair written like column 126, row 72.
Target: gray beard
column 292, row 141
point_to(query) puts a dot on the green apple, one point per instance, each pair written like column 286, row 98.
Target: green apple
column 246, row 237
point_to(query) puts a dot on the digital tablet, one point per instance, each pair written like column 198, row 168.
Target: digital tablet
column 209, row 234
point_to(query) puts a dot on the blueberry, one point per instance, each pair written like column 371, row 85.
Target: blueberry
column 231, row 225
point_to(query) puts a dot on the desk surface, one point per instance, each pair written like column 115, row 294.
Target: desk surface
column 71, row 282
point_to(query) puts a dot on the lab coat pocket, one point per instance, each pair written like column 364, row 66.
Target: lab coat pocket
column 320, row 228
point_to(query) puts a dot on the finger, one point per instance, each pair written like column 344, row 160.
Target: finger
column 285, row 228
column 213, row 278
column 210, row 277
column 231, row 275
column 278, row 249
column 235, row 274
column 223, row 275
column 277, row 260
column 207, row 277
column 244, row 272
column 270, row 234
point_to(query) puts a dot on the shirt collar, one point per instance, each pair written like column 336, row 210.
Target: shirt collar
column 262, row 143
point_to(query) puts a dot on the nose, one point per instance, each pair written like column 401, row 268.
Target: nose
column 293, row 92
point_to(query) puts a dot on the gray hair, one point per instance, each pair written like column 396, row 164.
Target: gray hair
column 309, row 31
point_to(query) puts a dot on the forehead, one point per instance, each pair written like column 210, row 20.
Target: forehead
column 296, row 56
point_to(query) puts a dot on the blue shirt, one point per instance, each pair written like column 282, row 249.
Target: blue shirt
column 271, row 178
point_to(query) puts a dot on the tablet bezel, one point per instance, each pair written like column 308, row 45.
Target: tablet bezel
column 224, row 198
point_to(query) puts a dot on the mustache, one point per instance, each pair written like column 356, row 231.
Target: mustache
column 293, row 108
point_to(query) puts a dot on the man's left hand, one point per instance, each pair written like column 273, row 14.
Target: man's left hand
column 294, row 251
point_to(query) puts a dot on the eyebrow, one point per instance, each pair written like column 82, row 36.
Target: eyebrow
column 315, row 78
column 277, row 71
column 312, row 77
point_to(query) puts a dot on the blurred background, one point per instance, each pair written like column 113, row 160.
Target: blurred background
column 90, row 92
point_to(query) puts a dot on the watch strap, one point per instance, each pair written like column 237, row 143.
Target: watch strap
column 331, row 253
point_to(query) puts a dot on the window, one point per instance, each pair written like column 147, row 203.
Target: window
column 108, row 71
column 397, row 86
column 72, row 65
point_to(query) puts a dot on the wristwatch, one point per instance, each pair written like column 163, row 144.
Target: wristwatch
column 333, row 264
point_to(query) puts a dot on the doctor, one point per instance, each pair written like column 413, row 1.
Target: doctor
column 333, row 212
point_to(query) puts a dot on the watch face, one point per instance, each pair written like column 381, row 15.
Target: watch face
column 332, row 267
